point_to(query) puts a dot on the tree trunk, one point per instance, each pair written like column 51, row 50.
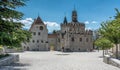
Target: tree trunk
column 116, row 51
column 106, row 51
column 103, row 52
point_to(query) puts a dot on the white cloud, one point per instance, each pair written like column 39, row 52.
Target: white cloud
column 94, row 22
column 90, row 22
column 27, row 22
column 88, row 28
column 52, row 26
column 87, row 22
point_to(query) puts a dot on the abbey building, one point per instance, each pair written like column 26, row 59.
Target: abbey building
column 71, row 37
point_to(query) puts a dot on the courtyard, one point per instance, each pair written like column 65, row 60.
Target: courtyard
column 53, row 60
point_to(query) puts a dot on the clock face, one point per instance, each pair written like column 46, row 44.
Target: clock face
column 41, row 27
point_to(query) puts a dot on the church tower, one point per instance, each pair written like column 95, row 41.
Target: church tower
column 74, row 16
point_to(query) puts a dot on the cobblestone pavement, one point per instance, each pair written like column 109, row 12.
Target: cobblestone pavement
column 61, row 61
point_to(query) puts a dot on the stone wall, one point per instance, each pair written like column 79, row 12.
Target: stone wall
column 13, row 50
column 9, row 60
column 115, row 62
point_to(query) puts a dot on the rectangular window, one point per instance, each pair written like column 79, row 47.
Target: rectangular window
column 34, row 33
column 72, row 39
column 80, row 39
column 38, row 33
column 33, row 41
column 37, row 41
column 41, row 41
column 46, row 41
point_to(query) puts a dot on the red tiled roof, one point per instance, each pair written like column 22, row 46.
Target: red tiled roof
column 52, row 35
column 36, row 21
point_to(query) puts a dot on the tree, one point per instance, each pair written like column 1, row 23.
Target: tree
column 103, row 44
column 54, row 32
column 111, row 31
column 12, row 33
column 117, row 14
column 95, row 37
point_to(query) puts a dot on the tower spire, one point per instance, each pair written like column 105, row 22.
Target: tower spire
column 65, row 20
column 74, row 15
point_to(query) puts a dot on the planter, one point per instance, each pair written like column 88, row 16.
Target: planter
column 9, row 60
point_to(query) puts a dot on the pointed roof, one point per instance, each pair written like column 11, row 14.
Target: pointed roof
column 65, row 20
column 38, row 21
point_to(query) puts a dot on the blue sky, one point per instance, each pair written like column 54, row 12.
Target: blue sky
column 52, row 12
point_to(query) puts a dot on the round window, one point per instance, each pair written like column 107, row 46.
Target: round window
column 41, row 27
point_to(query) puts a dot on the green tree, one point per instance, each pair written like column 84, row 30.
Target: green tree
column 117, row 14
column 12, row 33
column 111, row 31
column 54, row 32
column 103, row 44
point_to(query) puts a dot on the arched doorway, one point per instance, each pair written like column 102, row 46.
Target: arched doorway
column 28, row 49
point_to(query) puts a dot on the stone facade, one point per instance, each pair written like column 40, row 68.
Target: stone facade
column 9, row 60
column 39, row 41
column 74, row 37
column 71, row 37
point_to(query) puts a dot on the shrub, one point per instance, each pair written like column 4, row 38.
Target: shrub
column 3, row 55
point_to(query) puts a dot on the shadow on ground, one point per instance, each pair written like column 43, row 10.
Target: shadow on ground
column 15, row 66
column 100, row 56
column 62, row 54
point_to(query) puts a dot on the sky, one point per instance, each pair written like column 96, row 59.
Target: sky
column 52, row 12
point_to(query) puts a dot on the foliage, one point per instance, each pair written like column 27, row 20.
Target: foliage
column 103, row 43
column 54, row 31
column 11, row 33
column 1, row 48
column 117, row 14
column 3, row 55
column 111, row 31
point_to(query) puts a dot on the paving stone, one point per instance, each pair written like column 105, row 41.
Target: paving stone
column 62, row 61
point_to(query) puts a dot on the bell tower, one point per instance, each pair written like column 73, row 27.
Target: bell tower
column 74, row 16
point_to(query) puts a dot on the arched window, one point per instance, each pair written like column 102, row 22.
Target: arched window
column 41, row 27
